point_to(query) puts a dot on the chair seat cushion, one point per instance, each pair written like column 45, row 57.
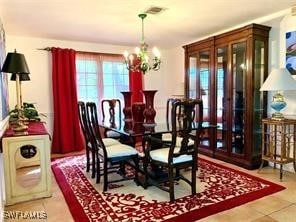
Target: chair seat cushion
column 112, row 134
column 162, row 155
column 167, row 137
column 110, row 141
column 120, row 150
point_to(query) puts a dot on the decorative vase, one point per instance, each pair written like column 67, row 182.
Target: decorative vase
column 138, row 112
column 149, row 112
column 138, row 128
column 127, row 109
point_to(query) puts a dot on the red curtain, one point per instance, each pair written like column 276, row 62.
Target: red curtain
column 136, row 85
column 66, row 130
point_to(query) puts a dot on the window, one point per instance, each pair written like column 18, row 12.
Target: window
column 115, row 79
column 100, row 76
column 87, row 80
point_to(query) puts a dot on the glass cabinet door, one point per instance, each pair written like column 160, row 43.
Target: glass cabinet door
column 203, row 91
column 204, row 83
column 192, row 76
column 258, row 80
column 221, row 86
column 238, row 97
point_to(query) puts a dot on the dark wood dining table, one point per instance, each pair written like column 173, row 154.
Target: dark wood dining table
column 132, row 130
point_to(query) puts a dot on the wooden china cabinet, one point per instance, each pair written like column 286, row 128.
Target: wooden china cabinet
column 227, row 71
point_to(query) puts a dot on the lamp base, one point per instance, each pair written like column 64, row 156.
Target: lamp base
column 277, row 116
column 19, row 129
column 278, row 104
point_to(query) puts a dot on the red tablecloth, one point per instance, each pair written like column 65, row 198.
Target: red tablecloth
column 34, row 128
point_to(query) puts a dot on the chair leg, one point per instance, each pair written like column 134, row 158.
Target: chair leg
column 193, row 179
column 105, row 176
column 98, row 180
column 136, row 161
column 171, row 183
column 178, row 173
column 87, row 160
column 93, row 170
column 145, row 166
column 122, row 168
column 105, row 133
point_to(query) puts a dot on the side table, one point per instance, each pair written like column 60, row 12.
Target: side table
column 278, row 142
column 27, row 164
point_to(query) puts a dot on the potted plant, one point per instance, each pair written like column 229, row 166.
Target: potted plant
column 28, row 112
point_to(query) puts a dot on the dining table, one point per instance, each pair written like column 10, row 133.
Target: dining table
column 133, row 129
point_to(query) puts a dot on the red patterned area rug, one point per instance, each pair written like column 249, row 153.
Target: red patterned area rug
column 219, row 188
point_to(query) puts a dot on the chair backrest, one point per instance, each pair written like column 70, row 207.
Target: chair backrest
column 83, row 120
column 187, row 123
column 170, row 102
column 114, row 107
column 92, row 120
column 169, row 105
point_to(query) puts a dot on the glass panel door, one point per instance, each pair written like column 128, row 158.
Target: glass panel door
column 204, row 92
column 204, row 83
column 259, row 67
column 221, row 81
column 192, row 76
column 238, row 96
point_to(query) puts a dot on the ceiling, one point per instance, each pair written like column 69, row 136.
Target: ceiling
column 116, row 21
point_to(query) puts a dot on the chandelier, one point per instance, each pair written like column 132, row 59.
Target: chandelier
column 140, row 60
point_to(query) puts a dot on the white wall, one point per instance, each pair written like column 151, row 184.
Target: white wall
column 167, row 79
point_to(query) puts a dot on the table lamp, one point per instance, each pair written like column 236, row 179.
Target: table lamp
column 23, row 77
column 278, row 80
column 16, row 64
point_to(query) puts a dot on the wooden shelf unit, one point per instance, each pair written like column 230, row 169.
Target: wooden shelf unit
column 278, row 142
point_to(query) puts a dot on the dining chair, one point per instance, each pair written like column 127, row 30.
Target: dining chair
column 167, row 137
column 114, row 155
column 89, row 148
column 114, row 109
column 175, row 158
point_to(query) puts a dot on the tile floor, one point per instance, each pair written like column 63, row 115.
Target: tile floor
column 280, row 206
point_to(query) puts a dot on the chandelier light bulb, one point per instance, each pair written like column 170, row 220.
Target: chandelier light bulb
column 125, row 54
column 131, row 58
column 137, row 50
column 156, row 52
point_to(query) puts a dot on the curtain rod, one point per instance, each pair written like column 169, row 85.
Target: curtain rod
column 45, row 49
column 96, row 53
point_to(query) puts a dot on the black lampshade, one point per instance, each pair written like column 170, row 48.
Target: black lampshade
column 23, row 77
column 15, row 63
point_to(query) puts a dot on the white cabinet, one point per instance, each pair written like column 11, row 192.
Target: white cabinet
column 26, row 168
